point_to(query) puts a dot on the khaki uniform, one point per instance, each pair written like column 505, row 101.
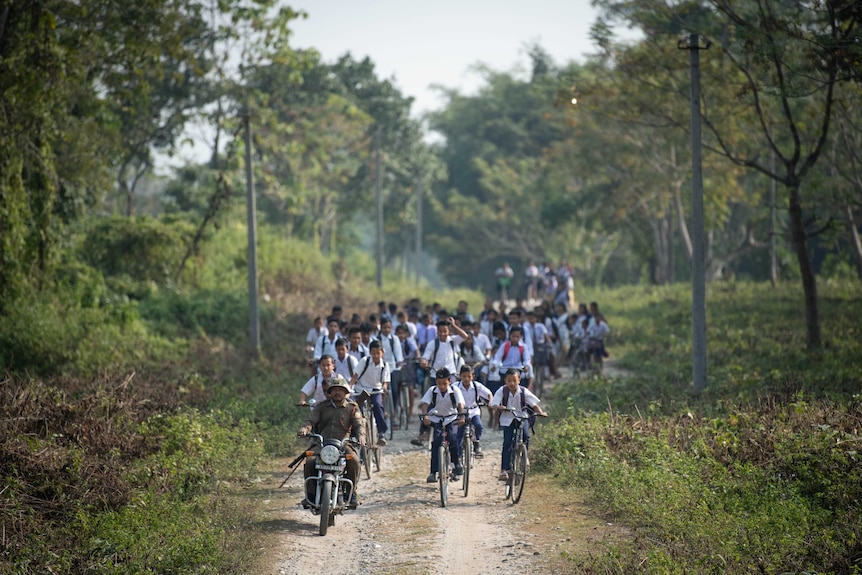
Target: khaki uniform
column 336, row 421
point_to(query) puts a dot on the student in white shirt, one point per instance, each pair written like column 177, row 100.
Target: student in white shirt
column 511, row 354
column 355, row 347
column 326, row 343
column 393, row 353
column 345, row 364
column 316, row 386
column 482, row 341
column 448, row 404
column 372, row 374
column 596, row 336
column 315, row 332
column 442, row 352
column 513, row 396
column 410, row 353
column 474, row 393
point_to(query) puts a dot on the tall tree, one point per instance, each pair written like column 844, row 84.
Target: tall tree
column 784, row 59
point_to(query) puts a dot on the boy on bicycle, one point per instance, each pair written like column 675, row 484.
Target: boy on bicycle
column 517, row 397
column 373, row 376
column 448, row 404
column 474, row 393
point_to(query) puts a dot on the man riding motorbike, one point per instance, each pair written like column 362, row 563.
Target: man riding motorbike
column 335, row 418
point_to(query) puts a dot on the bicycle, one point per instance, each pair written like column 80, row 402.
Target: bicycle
column 467, row 454
column 520, row 463
column 405, row 387
column 444, row 456
column 370, row 452
column 389, row 411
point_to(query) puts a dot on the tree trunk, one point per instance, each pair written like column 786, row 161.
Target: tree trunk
column 671, row 264
column 806, row 269
column 657, row 261
column 854, row 238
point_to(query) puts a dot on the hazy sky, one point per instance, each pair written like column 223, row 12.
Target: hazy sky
column 424, row 43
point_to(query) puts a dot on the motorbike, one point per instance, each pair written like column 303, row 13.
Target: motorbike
column 332, row 489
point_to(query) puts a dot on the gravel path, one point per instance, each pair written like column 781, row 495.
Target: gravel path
column 401, row 527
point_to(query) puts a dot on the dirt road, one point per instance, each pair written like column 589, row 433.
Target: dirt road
column 401, row 527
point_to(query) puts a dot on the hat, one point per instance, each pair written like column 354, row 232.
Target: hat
column 442, row 374
column 337, row 380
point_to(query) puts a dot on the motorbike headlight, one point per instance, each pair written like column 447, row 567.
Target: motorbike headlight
column 329, row 454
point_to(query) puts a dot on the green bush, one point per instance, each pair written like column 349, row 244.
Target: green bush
column 761, row 473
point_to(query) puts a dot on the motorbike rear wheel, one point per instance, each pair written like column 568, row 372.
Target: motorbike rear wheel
column 326, row 494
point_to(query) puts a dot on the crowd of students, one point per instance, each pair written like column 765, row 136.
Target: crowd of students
column 397, row 346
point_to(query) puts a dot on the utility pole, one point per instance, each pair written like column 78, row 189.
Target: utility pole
column 251, row 208
column 379, row 242
column 698, row 265
column 418, row 230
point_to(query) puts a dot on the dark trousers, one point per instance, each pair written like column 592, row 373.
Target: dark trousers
column 437, row 441
column 509, row 440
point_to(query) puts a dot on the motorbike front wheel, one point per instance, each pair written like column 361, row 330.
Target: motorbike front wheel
column 326, row 494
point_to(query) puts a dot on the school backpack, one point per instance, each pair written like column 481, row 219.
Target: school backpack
column 505, row 403
column 456, row 356
column 507, row 346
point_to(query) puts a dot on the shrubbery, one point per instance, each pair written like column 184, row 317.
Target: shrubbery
column 763, row 473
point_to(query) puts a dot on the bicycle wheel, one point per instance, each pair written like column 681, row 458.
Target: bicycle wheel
column 377, row 457
column 370, row 441
column 390, row 414
column 444, row 474
column 467, row 461
column 404, row 406
column 519, row 473
column 514, row 451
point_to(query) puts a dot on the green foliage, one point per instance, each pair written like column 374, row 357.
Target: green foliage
column 45, row 334
column 195, row 451
column 144, row 250
column 760, row 473
column 157, row 534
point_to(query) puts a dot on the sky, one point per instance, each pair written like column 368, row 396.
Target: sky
column 424, row 43
column 421, row 44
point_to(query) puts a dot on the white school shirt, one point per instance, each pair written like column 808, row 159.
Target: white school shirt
column 314, row 388
column 443, row 405
column 472, row 356
column 314, row 333
column 392, row 352
column 527, row 338
column 360, row 353
column 448, row 354
column 347, row 367
column 325, row 346
column 472, row 396
column 513, row 358
column 482, row 342
column 562, row 328
column 598, row 330
column 373, row 378
column 514, row 402
column 538, row 332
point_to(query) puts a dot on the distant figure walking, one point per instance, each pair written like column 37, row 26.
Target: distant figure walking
column 503, row 276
